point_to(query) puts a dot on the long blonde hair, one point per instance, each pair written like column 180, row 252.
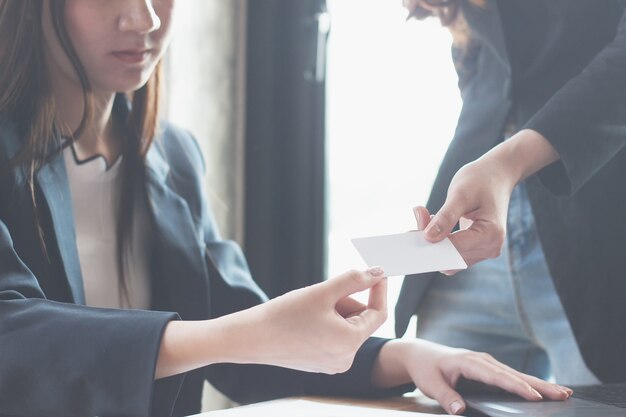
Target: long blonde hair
column 25, row 97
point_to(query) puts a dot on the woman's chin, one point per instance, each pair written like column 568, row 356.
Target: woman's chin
column 123, row 87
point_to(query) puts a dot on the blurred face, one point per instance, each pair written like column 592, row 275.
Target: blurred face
column 118, row 42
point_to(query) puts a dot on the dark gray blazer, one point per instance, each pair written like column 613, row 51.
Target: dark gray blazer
column 60, row 358
column 573, row 91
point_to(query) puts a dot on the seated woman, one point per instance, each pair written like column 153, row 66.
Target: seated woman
column 117, row 294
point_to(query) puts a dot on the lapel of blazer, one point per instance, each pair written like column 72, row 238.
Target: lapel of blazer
column 54, row 185
column 180, row 250
column 486, row 23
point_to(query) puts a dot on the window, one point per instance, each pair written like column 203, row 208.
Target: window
column 392, row 106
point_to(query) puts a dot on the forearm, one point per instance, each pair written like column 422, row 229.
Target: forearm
column 584, row 120
column 304, row 329
column 522, row 155
column 188, row 345
column 184, row 346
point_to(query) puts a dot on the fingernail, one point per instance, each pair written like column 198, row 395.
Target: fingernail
column 536, row 394
column 455, row 407
column 567, row 391
column 433, row 230
column 376, row 271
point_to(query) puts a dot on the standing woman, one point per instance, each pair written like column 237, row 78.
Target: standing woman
column 107, row 242
column 544, row 91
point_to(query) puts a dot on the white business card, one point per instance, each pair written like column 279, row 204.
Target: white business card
column 408, row 253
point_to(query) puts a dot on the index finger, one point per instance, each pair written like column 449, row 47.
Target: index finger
column 422, row 217
column 545, row 388
column 490, row 374
column 352, row 282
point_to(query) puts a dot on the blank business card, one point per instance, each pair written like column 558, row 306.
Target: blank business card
column 408, row 253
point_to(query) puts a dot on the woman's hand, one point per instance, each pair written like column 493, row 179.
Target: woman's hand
column 320, row 328
column 436, row 369
column 317, row 328
column 478, row 199
column 478, row 196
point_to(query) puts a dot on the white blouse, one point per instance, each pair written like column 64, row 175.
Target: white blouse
column 96, row 193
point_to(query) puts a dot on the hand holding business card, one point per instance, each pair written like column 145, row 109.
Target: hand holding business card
column 408, row 253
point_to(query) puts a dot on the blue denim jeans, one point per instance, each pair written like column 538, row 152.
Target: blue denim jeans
column 508, row 307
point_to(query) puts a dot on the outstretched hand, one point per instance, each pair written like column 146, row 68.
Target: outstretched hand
column 320, row 328
column 479, row 193
column 478, row 199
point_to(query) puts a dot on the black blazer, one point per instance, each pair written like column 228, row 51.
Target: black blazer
column 60, row 358
column 572, row 89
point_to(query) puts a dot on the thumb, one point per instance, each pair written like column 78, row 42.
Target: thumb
column 443, row 222
column 352, row 282
column 446, row 396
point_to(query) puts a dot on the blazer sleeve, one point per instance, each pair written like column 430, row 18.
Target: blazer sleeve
column 232, row 288
column 62, row 359
column 585, row 121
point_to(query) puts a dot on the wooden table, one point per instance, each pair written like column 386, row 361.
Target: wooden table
column 410, row 402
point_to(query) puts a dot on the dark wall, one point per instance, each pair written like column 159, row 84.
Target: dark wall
column 285, row 222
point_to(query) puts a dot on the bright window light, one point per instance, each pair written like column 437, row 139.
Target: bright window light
column 392, row 106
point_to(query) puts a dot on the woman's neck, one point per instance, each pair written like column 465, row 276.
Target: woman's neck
column 98, row 137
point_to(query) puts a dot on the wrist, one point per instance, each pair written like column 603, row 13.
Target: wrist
column 390, row 368
column 235, row 338
column 188, row 345
column 521, row 156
